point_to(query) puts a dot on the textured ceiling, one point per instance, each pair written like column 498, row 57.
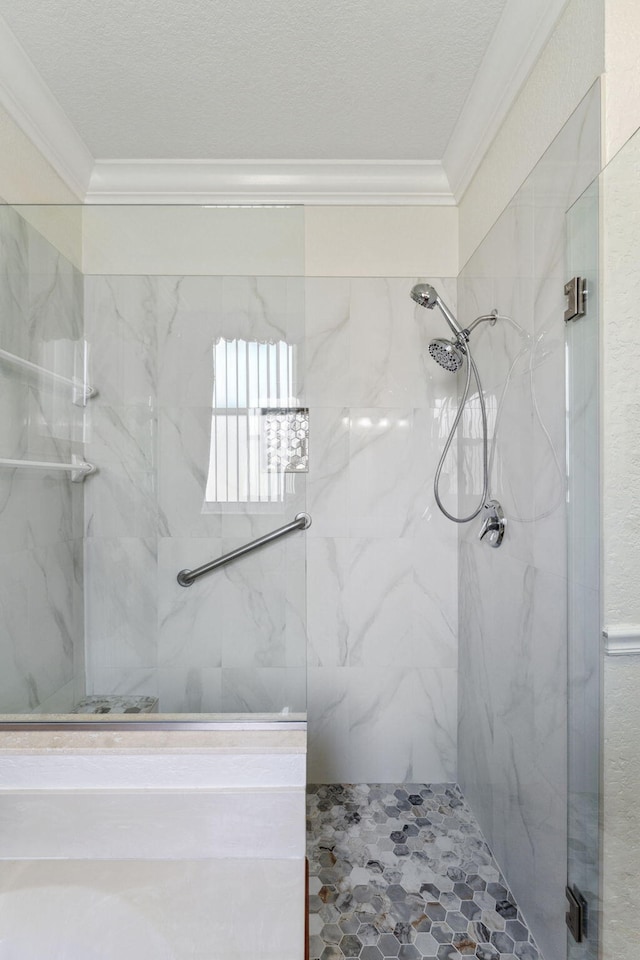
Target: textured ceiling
column 258, row 79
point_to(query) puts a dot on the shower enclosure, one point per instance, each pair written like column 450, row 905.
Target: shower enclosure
column 182, row 388
column 169, row 376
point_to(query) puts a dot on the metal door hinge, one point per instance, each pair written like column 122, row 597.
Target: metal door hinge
column 577, row 914
column 576, row 292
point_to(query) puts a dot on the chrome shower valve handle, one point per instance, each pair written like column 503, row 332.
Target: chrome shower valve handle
column 494, row 524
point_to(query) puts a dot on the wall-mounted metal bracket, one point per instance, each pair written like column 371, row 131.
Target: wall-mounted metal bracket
column 494, row 524
column 576, row 292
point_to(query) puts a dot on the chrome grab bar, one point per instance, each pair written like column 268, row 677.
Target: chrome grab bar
column 302, row 521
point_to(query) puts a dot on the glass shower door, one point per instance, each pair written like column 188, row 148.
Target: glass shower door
column 189, row 324
column 583, row 582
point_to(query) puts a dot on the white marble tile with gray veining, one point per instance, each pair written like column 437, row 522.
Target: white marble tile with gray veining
column 381, row 482
column 183, row 462
column 121, row 328
column 54, row 508
column 254, row 308
column 121, row 499
column 328, row 626
column 264, row 690
column 14, row 511
column 252, row 608
column 14, row 290
column 382, row 703
column 380, row 593
column 191, row 689
column 186, row 336
column 55, row 293
column 327, row 374
column 327, row 484
column 54, row 618
column 121, row 608
column 190, row 619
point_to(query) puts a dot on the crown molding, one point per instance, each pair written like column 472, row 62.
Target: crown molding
column 269, row 182
column 29, row 101
column 522, row 33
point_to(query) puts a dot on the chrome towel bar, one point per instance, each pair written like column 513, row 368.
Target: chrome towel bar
column 78, row 468
column 302, row 521
column 81, row 391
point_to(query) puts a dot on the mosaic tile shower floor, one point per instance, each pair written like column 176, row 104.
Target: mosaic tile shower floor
column 402, row 871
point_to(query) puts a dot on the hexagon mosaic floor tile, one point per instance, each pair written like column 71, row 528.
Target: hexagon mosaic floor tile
column 402, row 872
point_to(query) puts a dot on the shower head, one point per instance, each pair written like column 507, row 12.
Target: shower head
column 427, row 296
column 448, row 354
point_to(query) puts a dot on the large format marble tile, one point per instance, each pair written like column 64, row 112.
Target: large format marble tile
column 40, row 606
column 379, row 604
column 14, row 240
column 190, row 689
column 121, row 317
column 384, row 719
column 264, row 689
column 121, row 500
column 367, row 342
column 120, row 609
column 190, row 619
column 382, row 444
column 328, row 479
column 183, row 471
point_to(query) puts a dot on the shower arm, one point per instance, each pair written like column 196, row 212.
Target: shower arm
column 485, row 318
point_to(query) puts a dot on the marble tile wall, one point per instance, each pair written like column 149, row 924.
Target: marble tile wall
column 513, row 601
column 379, row 596
column 235, row 641
column 382, row 562
column 41, row 525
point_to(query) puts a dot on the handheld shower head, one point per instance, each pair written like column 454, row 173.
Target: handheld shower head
column 427, row 296
column 448, row 354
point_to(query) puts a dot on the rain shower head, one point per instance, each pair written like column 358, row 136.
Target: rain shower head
column 448, row 354
column 427, row 296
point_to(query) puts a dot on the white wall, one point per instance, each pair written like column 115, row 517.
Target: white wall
column 621, row 476
column 622, row 90
column 568, row 66
column 381, row 241
column 27, row 178
column 293, row 241
column 621, row 546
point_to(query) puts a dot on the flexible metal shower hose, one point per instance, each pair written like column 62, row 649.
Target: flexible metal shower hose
column 485, row 460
